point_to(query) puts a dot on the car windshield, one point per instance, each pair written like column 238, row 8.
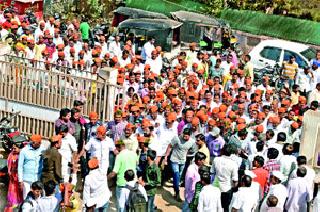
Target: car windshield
column 309, row 53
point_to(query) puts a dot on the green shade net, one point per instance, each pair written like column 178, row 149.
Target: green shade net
column 273, row 25
column 167, row 6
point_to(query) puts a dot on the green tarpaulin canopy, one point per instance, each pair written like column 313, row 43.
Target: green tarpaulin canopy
column 273, row 25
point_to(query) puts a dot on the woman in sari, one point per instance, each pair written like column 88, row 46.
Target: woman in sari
column 14, row 196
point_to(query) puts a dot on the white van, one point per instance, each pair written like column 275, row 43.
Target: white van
column 270, row 52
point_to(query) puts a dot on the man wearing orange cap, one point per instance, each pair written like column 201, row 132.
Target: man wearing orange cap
column 155, row 62
column 155, row 118
column 293, row 133
column 91, row 127
column 130, row 139
column 52, row 162
column 29, row 163
column 99, row 147
column 96, row 193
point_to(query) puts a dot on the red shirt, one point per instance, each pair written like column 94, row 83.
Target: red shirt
column 261, row 178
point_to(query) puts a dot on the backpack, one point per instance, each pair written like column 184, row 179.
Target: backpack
column 136, row 201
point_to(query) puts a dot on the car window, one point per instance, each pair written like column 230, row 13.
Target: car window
column 271, row 53
column 301, row 62
column 309, row 53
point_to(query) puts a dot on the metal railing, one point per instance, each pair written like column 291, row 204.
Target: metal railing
column 31, row 125
column 56, row 87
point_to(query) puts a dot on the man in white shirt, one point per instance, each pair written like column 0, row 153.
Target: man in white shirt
column 115, row 47
column 99, row 147
column 209, row 197
column 310, row 176
column 147, row 49
column 225, row 171
column 299, row 193
column 49, row 202
column 315, row 94
column 155, row 64
column 124, row 59
column 165, row 133
column 68, row 151
column 305, row 79
column 245, row 198
column 96, row 191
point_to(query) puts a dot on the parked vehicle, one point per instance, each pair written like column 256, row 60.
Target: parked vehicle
column 272, row 72
column 165, row 31
column 9, row 134
column 272, row 52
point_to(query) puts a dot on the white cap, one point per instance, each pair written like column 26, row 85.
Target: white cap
column 278, row 175
column 215, row 132
column 250, row 173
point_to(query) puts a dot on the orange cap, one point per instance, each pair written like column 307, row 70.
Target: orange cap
column 102, row 130
column 223, row 108
column 141, row 139
column 215, row 110
column 195, row 121
column 241, row 127
column 145, row 122
column 259, row 129
column 130, row 126
column 241, row 121
column 36, row 138
column 93, row 115
column 153, row 109
column 295, row 125
column 93, row 163
column 55, row 138
column 221, row 115
column 212, row 122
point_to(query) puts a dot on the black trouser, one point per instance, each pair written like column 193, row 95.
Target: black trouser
column 226, row 198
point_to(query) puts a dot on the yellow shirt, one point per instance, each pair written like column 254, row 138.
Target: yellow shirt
column 205, row 151
column 289, row 70
column 295, row 98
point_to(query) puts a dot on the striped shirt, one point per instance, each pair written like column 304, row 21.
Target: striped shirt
column 289, row 70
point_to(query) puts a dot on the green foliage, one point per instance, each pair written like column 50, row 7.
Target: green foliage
column 94, row 9
column 304, row 9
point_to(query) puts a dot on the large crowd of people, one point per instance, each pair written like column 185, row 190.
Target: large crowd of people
column 200, row 124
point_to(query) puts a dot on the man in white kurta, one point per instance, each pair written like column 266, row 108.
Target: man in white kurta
column 99, row 147
column 68, row 149
column 299, row 193
column 96, row 191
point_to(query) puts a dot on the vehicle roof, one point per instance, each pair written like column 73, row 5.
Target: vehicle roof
column 185, row 16
column 137, row 13
column 292, row 46
column 150, row 24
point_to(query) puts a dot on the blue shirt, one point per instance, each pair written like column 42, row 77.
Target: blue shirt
column 30, row 164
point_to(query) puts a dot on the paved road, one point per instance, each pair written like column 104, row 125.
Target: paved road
column 164, row 200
